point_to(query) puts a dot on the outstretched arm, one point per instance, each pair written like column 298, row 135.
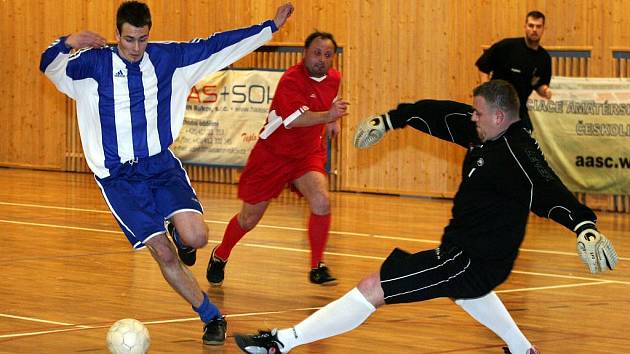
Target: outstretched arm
column 282, row 14
column 224, row 48
column 446, row 120
column 550, row 198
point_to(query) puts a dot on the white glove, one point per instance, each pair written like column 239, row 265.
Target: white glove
column 596, row 251
column 371, row 131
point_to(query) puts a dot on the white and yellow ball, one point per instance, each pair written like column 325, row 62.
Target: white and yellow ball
column 128, row 336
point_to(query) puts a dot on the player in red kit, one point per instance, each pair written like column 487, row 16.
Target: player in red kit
column 291, row 150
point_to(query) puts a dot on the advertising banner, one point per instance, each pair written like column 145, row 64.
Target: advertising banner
column 584, row 132
column 224, row 115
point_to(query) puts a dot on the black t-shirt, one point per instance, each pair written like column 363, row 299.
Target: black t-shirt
column 513, row 61
column 502, row 180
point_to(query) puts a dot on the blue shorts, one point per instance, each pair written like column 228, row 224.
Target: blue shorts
column 143, row 194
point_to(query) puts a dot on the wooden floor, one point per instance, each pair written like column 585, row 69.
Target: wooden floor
column 67, row 273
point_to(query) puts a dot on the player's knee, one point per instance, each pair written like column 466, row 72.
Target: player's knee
column 372, row 290
column 368, row 283
column 320, row 204
column 198, row 240
column 198, row 237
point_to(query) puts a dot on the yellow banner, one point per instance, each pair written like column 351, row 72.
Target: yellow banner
column 224, row 114
column 584, row 132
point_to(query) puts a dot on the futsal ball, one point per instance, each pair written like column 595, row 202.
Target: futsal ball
column 128, row 336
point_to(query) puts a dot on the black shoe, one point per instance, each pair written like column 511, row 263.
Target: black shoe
column 214, row 332
column 265, row 342
column 321, row 275
column 216, row 270
column 188, row 255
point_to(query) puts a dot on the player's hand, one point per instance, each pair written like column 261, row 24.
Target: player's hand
column 596, row 251
column 371, row 131
column 544, row 92
column 282, row 14
column 339, row 109
column 85, row 39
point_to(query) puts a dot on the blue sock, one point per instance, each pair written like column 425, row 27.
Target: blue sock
column 207, row 311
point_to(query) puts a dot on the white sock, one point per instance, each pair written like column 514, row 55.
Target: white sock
column 339, row 316
column 490, row 312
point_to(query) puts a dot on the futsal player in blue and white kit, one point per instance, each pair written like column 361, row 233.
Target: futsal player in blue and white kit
column 130, row 106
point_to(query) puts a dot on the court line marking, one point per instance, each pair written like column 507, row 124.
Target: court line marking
column 575, row 285
column 83, row 327
column 76, row 327
column 59, row 226
column 32, row 319
column 327, row 252
column 290, row 249
column 388, row 237
column 53, row 207
column 562, row 276
column 304, row 250
column 574, row 277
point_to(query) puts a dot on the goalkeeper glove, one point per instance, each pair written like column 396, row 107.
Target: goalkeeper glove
column 595, row 250
column 372, row 130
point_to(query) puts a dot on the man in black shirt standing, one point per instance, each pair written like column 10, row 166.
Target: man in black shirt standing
column 504, row 176
column 522, row 62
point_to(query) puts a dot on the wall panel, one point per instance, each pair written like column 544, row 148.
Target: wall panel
column 395, row 51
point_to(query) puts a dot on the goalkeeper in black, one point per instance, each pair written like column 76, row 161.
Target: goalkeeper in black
column 504, row 176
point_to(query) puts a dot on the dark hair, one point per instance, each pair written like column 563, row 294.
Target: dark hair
column 134, row 13
column 317, row 34
column 535, row 15
column 500, row 94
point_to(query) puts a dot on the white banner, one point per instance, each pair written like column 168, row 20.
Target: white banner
column 584, row 132
column 224, row 114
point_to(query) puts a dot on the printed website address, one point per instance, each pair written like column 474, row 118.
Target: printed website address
column 602, row 162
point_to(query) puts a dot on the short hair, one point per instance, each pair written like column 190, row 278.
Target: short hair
column 500, row 94
column 134, row 13
column 317, row 34
column 535, row 15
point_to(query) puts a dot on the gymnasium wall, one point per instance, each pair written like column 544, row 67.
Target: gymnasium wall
column 394, row 51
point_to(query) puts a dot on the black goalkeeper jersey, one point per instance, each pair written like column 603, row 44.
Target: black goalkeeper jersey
column 502, row 180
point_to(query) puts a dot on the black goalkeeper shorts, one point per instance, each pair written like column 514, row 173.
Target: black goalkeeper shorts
column 442, row 272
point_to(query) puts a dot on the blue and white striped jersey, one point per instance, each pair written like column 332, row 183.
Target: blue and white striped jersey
column 133, row 110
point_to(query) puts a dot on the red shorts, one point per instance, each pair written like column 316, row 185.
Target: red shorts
column 266, row 174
